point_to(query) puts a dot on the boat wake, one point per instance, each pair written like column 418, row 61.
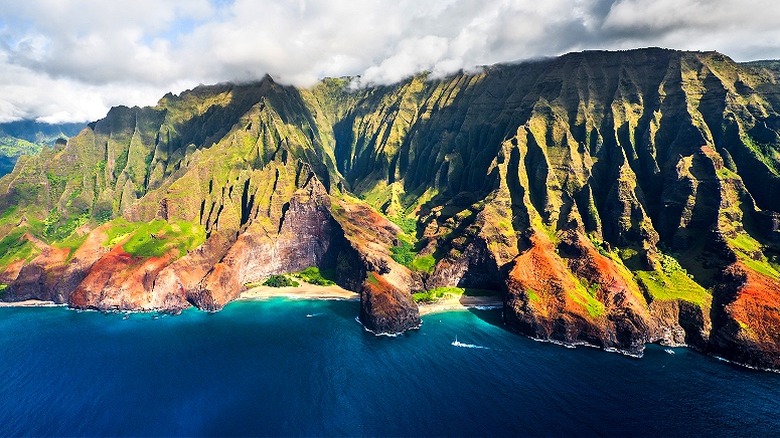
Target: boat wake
column 312, row 315
column 457, row 343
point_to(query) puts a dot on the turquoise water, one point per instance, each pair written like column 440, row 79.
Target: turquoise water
column 286, row 367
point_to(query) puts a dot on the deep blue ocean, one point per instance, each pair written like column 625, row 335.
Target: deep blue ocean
column 294, row 367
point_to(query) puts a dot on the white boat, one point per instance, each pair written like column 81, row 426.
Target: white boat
column 669, row 351
column 457, row 343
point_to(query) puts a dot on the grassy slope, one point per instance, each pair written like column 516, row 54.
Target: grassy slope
column 155, row 238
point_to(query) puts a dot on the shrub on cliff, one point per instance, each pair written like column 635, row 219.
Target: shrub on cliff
column 280, row 281
column 314, row 275
column 403, row 253
column 438, row 293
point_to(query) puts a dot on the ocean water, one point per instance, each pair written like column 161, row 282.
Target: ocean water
column 295, row 367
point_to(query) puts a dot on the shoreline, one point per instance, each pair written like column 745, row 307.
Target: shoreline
column 461, row 303
column 314, row 292
column 305, row 291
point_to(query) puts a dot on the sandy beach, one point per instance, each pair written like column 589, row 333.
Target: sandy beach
column 459, row 303
column 29, row 303
column 313, row 292
column 305, row 291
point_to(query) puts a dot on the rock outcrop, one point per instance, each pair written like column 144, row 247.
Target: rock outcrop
column 386, row 309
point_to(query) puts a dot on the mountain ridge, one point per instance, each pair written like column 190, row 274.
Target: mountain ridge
column 28, row 137
column 611, row 198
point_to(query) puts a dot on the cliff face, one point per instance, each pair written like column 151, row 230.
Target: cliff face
column 611, row 198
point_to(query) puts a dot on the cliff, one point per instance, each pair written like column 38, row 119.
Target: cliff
column 611, row 198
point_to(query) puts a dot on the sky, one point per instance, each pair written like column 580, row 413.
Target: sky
column 71, row 60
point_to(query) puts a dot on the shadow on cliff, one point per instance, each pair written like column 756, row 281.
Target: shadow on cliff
column 493, row 317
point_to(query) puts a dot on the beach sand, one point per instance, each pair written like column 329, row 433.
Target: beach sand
column 29, row 303
column 305, row 291
column 313, row 292
column 459, row 303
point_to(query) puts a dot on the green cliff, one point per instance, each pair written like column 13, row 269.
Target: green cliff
column 28, row 137
column 610, row 198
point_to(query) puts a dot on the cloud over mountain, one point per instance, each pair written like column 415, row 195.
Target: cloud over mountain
column 63, row 61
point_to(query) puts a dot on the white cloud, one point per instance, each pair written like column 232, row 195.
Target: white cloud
column 411, row 56
column 71, row 60
column 743, row 29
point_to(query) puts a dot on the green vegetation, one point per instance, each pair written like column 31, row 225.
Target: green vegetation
column 72, row 242
column 155, row 238
column 8, row 212
column 403, row 253
column 726, row 173
column 313, row 275
column 750, row 252
column 103, row 216
column 232, row 156
column 3, row 287
column 280, row 281
column 57, row 181
column 593, row 289
column 445, row 292
column 13, row 247
column 600, row 245
column 13, row 147
column 745, row 243
column 121, row 162
column 100, row 167
column 407, row 224
column 423, row 263
column 672, row 282
column 763, row 152
column 28, row 138
column 393, row 198
column 627, row 253
column 774, row 262
column 55, row 229
column 539, row 225
column 11, row 240
column 762, row 267
column 585, row 295
column 437, row 294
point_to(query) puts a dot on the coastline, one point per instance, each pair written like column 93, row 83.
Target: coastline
column 313, row 292
column 304, row 292
column 460, row 304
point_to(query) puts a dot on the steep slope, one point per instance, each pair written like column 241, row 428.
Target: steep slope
column 611, row 198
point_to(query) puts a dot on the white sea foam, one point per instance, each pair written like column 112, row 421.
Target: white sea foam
column 457, row 343
column 391, row 335
column 573, row 345
column 723, row 359
column 489, row 307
